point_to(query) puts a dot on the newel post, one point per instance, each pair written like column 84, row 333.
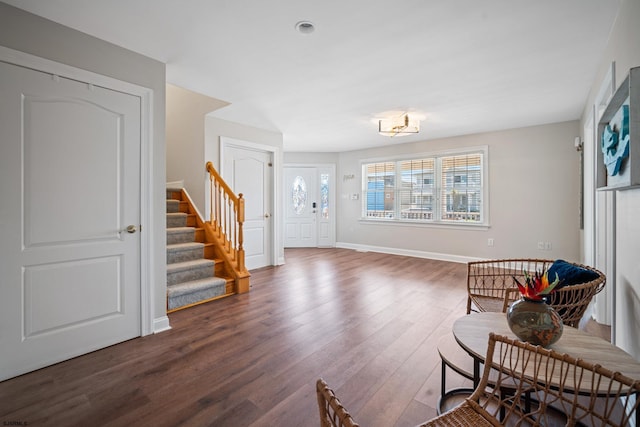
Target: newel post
column 240, row 233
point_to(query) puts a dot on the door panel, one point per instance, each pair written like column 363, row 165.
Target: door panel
column 69, row 185
column 249, row 172
column 47, row 307
column 61, row 154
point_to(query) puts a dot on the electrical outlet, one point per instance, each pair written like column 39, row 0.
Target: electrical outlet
column 547, row 246
column 541, row 246
column 490, row 242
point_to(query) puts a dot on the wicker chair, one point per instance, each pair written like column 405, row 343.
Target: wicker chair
column 515, row 389
column 490, row 287
column 332, row 413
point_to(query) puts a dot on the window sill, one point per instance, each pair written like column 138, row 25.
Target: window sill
column 434, row 224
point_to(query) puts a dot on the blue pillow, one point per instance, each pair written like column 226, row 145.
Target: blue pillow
column 570, row 274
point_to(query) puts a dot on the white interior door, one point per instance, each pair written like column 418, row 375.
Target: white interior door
column 301, row 207
column 70, row 186
column 249, row 172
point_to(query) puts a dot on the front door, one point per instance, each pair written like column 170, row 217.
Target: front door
column 301, row 207
column 309, row 206
column 70, row 189
column 249, row 172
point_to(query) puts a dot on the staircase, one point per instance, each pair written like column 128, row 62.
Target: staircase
column 192, row 271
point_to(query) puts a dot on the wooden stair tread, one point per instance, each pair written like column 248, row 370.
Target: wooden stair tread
column 194, row 285
column 175, row 230
column 187, row 265
column 195, row 271
column 178, row 214
column 185, row 246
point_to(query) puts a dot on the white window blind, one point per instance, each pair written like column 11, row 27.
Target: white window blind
column 461, row 190
column 434, row 189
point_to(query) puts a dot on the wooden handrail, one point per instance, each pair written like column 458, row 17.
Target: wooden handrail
column 226, row 216
column 214, row 175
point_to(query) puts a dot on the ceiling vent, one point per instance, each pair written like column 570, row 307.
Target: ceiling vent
column 305, row 27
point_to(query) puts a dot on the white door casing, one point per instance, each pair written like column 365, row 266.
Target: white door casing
column 604, row 216
column 70, row 174
column 250, row 172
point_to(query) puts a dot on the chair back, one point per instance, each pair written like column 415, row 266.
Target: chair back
column 332, row 413
column 532, row 386
column 572, row 301
column 490, row 287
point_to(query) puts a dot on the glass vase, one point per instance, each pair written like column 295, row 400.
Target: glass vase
column 534, row 321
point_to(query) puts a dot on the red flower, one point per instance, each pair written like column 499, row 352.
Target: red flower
column 536, row 287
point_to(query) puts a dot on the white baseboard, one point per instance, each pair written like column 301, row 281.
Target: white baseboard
column 161, row 324
column 407, row 252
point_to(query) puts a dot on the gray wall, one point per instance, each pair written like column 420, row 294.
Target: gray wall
column 311, row 158
column 533, row 195
column 22, row 31
column 186, row 111
column 216, row 128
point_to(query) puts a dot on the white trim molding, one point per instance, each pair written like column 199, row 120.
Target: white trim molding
column 277, row 247
column 161, row 324
column 408, row 252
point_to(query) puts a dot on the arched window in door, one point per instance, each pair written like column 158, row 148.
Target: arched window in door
column 299, row 195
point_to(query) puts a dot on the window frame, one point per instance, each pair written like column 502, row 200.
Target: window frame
column 438, row 185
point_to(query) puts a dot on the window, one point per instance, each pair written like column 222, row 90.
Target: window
column 447, row 188
column 324, row 195
column 299, row 195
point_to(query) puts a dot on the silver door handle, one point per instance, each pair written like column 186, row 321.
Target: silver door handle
column 131, row 229
column 267, row 215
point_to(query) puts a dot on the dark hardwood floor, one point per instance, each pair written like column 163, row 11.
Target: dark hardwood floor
column 367, row 323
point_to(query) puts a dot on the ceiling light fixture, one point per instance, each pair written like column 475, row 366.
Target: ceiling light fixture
column 398, row 126
column 305, row 27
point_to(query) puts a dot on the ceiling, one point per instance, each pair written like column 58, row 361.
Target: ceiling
column 464, row 66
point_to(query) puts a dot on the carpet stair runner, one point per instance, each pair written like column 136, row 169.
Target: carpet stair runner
column 190, row 276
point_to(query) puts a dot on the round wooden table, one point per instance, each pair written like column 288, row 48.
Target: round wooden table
column 472, row 333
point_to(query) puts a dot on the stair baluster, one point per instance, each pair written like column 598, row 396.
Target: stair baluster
column 226, row 217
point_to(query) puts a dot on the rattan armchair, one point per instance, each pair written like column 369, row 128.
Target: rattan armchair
column 527, row 385
column 490, row 287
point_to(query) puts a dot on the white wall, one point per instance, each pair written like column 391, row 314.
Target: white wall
column 311, row 158
column 186, row 111
column 28, row 33
column 624, row 48
column 215, row 128
column 534, row 196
